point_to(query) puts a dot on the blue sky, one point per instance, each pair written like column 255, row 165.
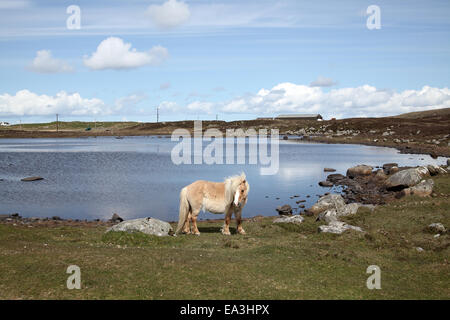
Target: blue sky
column 234, row 59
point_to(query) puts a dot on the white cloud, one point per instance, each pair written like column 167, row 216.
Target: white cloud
column 45, row 63
column 14, row 4
column 170, row 14
column 164, row 86
column 363, row 101
column 26, row 103
column 114, row 53
column 322, row 82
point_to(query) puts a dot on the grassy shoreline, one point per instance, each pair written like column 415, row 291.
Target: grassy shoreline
column 270, row 262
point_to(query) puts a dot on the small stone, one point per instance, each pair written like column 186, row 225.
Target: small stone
column 32, row 179
column 289, row 219
column 437, row 228
column 325, row 184
column 284, row 210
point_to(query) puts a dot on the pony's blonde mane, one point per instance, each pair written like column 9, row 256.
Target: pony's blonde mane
column 231, row 185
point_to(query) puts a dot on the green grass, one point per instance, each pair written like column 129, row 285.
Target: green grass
column 270, row 262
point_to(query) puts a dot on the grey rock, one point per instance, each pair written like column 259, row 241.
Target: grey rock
column 284, row 210
column 289, row 219
column 423, row 189
column 338, row 227
column 149, row 226
column 406, row 178
column 437, row 228
column 435, row 170
column 329, row 170
column 116, row 218
column 331, row 201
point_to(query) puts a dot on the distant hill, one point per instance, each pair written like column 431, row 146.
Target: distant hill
column 425, row 114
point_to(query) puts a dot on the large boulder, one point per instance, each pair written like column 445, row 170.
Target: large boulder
column 338, row 227
column 360, row 170
column 289, row 219
column 406, row 178
column 434, row 170
column 348, row 209
column 330, row 201
column 423, row 189
column 149, row 226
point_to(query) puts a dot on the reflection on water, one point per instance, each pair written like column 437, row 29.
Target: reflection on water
column 135, row 177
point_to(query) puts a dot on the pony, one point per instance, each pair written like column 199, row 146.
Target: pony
column 226, row 197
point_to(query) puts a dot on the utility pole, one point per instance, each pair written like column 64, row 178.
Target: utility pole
column 157, row 114
column 57, row 129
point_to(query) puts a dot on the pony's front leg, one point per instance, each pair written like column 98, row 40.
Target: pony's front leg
column 226, row 226
column 238, row 215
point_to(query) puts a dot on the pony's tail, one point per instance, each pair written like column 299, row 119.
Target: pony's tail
column 184, row 210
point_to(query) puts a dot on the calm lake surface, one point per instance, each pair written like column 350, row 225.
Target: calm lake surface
column 89, row 178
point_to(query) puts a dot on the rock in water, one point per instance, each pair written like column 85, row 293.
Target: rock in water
column 360, row 170
column 329, row 170
column 284, row 210
column 149, row 226
column 325, row 183
column 335, row 177
column 289, row 219
column 406, row 178
column 32, row 179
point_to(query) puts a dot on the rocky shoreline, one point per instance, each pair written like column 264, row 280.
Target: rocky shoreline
column 362, row 186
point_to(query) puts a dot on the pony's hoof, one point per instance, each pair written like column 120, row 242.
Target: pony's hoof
column 226, row 233
column 197, row 233
column 242, row 231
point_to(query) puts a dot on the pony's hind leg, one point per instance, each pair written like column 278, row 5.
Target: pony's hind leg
column 194, row 222
column 187, row 227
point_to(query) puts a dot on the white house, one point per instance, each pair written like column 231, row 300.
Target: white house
column 4, row 124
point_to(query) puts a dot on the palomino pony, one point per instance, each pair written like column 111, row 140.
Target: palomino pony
column 216, row 197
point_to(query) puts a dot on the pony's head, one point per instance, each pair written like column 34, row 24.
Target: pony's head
column 241, row 193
